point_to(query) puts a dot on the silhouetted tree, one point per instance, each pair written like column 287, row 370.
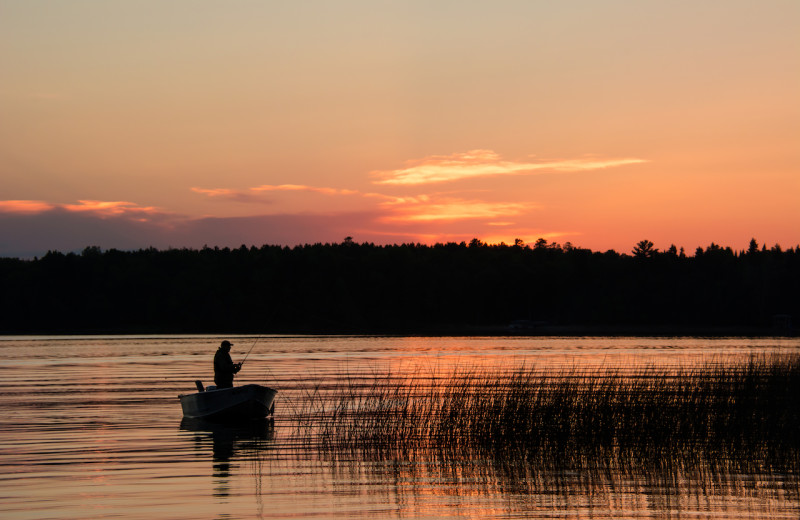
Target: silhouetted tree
column 644, row 249
column 351, row 287
column 541, row 243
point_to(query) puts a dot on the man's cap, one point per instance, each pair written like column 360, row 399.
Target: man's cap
column 226, row 343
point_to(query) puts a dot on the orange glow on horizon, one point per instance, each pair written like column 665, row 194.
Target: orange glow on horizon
column 589, row 123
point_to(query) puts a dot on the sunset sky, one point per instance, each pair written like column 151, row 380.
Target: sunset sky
column 600, row 123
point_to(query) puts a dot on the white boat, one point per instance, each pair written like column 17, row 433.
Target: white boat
column 238, row 403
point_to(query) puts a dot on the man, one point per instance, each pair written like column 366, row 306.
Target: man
column 224, row 367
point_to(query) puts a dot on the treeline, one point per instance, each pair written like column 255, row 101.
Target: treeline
column 411, row 288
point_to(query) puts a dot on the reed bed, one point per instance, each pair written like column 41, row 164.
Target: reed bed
column 749, row 407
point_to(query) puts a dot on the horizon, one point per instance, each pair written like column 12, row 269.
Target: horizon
column 180, row 125
column 644, row 249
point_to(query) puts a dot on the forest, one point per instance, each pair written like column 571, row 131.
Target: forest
column 450, row 288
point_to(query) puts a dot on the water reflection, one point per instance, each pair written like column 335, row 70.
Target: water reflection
column 600, row 484
column 229, row 445
column 91, row 430
column 715, row 438
column 427, row 480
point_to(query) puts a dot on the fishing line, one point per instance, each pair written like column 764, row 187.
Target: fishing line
column 248, row 352
column 258, row 338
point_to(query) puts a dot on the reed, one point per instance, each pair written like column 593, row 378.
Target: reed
column 748, row 407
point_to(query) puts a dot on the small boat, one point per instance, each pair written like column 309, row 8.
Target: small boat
column 239, row 403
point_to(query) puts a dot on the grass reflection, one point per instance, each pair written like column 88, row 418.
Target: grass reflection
column 715, row 437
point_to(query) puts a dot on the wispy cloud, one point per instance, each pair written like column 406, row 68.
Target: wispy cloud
column 395, row 208
column 97, row 208
column 110, row 208
column 483, row 163
column 255, row 195
column 300, row 187
column 30, row 228
column 227, row 194
column 424, row 209
column 26, row 207
column 216, row 192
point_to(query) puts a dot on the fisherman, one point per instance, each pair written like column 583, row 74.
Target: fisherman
column 224, row 367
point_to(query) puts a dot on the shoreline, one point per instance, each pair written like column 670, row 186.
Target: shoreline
column 449, row 331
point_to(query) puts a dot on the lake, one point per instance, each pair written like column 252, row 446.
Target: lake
column 92, row 428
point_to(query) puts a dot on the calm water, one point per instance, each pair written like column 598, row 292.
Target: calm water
column 91, row 428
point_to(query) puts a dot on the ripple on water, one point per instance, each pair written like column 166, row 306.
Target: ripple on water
column 92, row 429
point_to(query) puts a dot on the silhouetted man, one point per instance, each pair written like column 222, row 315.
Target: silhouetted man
column 224, row 367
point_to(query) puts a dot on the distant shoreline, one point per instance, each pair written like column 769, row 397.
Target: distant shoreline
column 447, row 289
column 487, row 331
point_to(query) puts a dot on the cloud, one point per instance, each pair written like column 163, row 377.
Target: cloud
column 216, row 192
column 231, row 195
column 32, row 227
column 24, row 206
column 299, row 187
column 255, row 195
column 425, row 219
column 59, row 229
column 34, row 234
column 483, row 163
column 424, row 209
column 112, row 208
column 394, row 208
column 96, row 207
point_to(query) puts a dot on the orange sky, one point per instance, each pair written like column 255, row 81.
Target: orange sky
column 185, row 123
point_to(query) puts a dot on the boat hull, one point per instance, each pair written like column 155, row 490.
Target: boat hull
column 239, row 403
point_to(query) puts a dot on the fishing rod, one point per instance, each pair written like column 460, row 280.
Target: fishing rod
column 248, row 352
column 256, row 341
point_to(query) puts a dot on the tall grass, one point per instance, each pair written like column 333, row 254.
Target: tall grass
column 748, row 407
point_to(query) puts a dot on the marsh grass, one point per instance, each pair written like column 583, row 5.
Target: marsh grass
column 749, row 407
